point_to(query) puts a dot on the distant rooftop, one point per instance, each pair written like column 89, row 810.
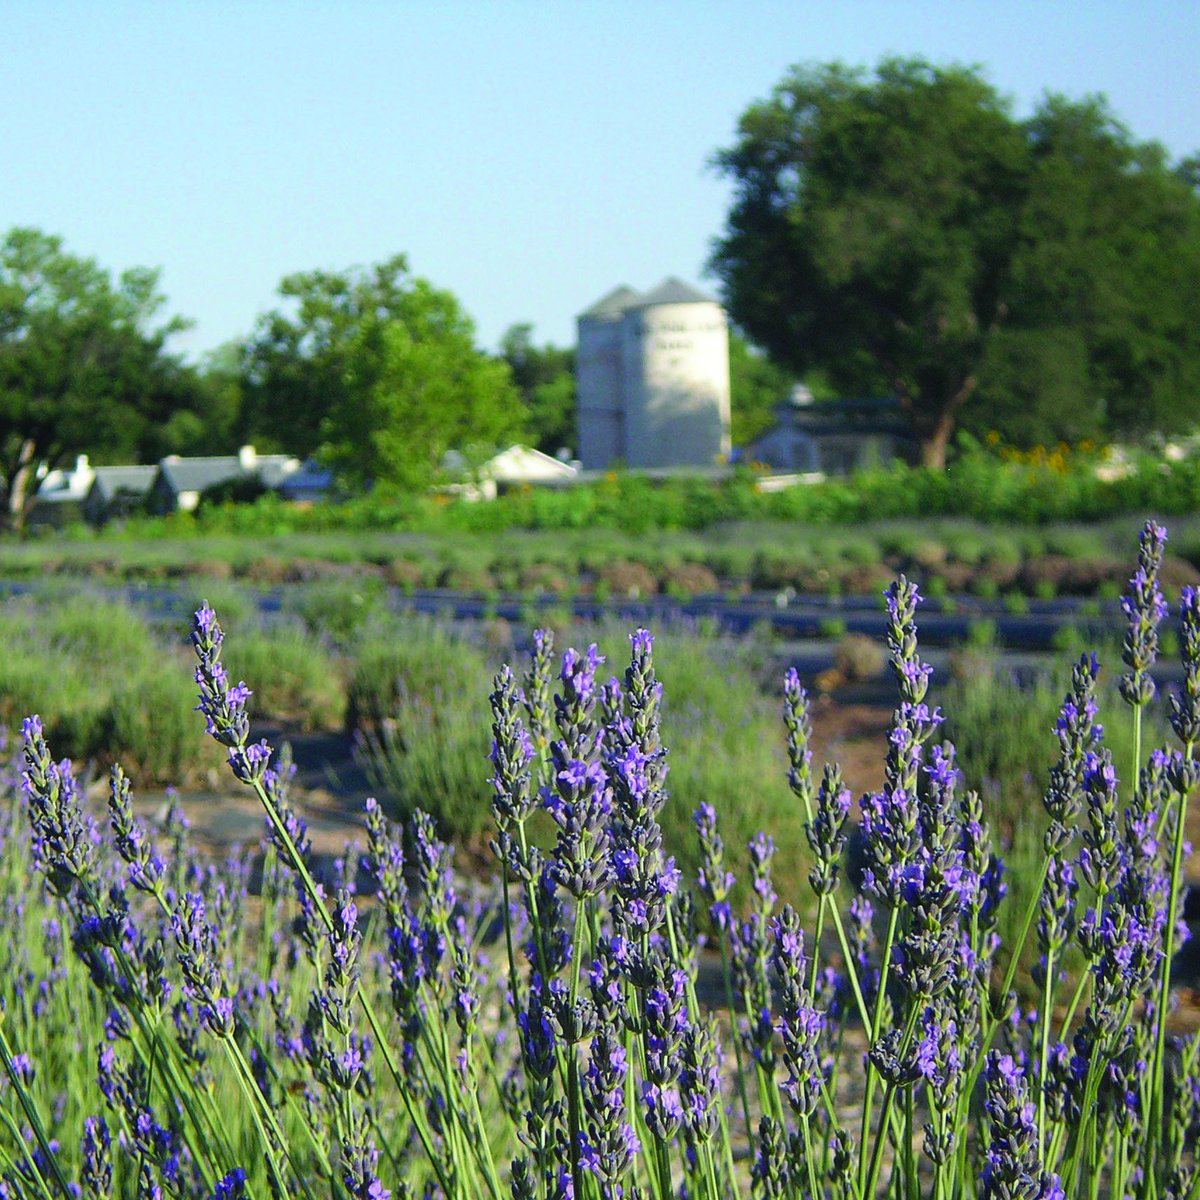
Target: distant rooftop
column 613, row 303
column 671, row 290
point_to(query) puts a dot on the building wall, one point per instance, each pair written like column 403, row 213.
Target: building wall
column 653, row 386
column 676, row 369
column 599, row 391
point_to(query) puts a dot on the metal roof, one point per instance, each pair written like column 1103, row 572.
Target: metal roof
column 133, row 480
column 613, row 303
column 673, row 290
column 196, row 474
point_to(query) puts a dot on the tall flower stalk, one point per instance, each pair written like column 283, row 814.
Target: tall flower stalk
column 397, row 1028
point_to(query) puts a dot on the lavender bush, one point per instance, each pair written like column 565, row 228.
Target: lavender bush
column 568, row 1030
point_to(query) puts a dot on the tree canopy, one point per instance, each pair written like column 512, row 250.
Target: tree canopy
column 903, row 232
column 376, row 370
column 545, row 377
column 83, row 362
column 757, row 386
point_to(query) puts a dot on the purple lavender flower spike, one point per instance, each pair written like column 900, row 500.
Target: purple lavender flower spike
column 801, row 1025
column 197, row 950
column 1012, row 1168
column 95, row 1148
column 146, row 868
column 64, row 840
column 223, row 704
column 1099, row 857
column 714, row 881
column 826, row 831
column 581, row 800
column 1185, row 705
column 1078, row 735
column 799, row 729
column 912, row 675
column 1146, row 607
column 512, row 755
column 536, row 691
column 231, row 1186
column 607, row 1143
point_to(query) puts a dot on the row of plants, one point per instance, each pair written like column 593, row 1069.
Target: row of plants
column 951, row 555
column 979, row 485
column 550, row 1036
column 403, row 686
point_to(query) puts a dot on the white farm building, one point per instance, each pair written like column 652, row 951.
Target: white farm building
column 652, row 379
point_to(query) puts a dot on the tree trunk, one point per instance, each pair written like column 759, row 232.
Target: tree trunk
column 934, row 443
column 18, row 485
column 934, row 436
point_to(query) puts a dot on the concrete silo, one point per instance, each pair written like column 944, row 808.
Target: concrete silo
column 675, row 369
column 599, row 380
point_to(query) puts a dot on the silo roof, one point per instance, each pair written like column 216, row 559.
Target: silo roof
column 673, row 290
column 613, row 303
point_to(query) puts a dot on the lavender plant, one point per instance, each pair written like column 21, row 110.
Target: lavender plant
column 591, row 1025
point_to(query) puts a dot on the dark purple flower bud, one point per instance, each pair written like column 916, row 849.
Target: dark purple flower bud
column 1056, row 919
column 512, row 755
column 200, row 964
column 762, row 849
column 1099, row 856
column 231, row 1185
column 799, row 729
column 895, row 1064
column 466, row 990
column 386, row 860
column 912, row 675
column 826, row 831
column 539, row 1039
column 536, row 691
column 1012, row 1170
column 64, row 838
column 714, row 881
column 1185, row 704
column 1146, row 608
column 699, row 1082
column 801, row 1025
column 97, row 1172
column 133, row 844
column 360, row 1159
column 607, row 1143
column 770, row 1170
column 223, row 705
column 1078, row 736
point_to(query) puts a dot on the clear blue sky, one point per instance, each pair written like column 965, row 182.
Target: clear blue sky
column 527, row 155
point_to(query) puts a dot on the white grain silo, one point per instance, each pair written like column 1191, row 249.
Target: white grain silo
column 599, row 382
column 675, row 358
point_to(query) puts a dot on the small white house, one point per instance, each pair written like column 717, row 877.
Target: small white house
column 512, row 467
column 61, row 493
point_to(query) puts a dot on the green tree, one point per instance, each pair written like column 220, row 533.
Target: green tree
column 545, row 377
column 903, row 232
column 377, row 371
column 757, row 386
column 213, row 423
column 83, row 363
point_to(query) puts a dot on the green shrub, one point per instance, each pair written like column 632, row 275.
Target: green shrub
column 296, row 680
column 337, row 608
column 410, row 657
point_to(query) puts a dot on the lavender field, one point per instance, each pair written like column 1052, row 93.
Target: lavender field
column 606, row 1011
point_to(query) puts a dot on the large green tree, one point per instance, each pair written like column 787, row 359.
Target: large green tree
column 757, row 386
column 83, row 363
column 377, row 372
column 903, row 232
column 545, row 376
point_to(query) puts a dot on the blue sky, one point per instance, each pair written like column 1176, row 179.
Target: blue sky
column 527, row 155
